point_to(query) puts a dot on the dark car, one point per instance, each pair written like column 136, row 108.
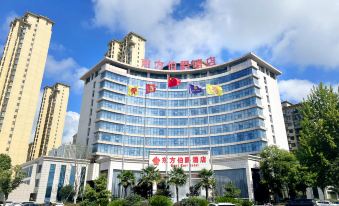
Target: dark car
column 29, row 204
column 300, row 202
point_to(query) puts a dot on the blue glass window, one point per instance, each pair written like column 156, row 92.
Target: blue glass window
column 50, row 180
column 61, row 181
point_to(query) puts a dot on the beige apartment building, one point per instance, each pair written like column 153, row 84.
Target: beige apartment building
column 50, row 125
column 130, row 50
column 21, row 71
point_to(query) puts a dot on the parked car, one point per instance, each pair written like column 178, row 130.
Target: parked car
column 323, row 203
column 221, row 204
column 300, row 202
column 335, row 203
column 59, row 204
column 16, row 204
column 29, row 204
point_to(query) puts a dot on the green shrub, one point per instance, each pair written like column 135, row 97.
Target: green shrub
column 247, row 203
column 159, row 200
column 119, row 202
column 134, row 199
column 194, row 201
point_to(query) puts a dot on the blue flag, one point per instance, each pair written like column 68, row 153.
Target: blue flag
column 194, row 89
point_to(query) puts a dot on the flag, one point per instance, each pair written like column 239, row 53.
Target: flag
column 214, row 89
column 172, row 82
column 150, row 88
column 133, row 90
column 194, row 89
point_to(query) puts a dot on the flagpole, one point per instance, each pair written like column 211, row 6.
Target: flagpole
column 189, row 137
column 167, row 125
column 209, row 130
column 144, row 143
column 124, row 136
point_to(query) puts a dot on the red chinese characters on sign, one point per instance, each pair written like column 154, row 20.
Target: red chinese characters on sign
column 158, row 64
column 210, row 61
column 196, row 64
column 203, row 159
column 195, row 161
column 184, row 65
column 172, row 65
column 145, row 63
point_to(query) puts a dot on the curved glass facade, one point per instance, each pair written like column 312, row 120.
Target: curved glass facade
column 171, row 119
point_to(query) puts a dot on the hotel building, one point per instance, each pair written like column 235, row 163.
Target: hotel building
column 130, row 50
column 220, row 132
column 50, row 125
column 21, row 70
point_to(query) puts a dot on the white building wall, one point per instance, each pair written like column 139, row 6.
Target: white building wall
column 272, row 108
column 22, row 193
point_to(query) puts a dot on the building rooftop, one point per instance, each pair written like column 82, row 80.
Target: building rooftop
column 230, row 63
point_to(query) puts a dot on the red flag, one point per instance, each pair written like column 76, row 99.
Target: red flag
column 150, row 88
column 172, row 82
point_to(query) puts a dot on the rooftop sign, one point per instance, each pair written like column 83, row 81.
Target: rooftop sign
column 183, row 65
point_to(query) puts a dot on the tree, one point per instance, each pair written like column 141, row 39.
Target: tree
column 10, row 177
column 98, row 194
column 178, row 178
column 194, row 191
column 207, row 180
column 231, row 190
column 299, row 179
column 127, row 179
column 275, row 166
column 163, row 189
column 319, row 139
column 150, row 176
column 67, row 193
column 281, row 169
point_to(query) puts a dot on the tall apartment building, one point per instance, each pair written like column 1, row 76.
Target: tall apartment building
column 130, row 50
column 50, row 126
column 292, row 119
column 21, row 71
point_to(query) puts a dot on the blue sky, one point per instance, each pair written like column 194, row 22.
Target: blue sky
column 300, row 37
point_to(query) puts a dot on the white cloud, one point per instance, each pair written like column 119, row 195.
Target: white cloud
column 294, row 90
column 66, row 70
column 303, row 32
column 71, row 126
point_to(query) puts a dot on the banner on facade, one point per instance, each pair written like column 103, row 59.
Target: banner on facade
column 197, row 160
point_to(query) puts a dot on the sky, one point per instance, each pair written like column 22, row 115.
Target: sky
column 299, row 37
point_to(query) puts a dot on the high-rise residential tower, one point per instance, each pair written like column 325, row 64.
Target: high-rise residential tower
column 292, row 118
column 21, row 71
column 50, row 126
column 130, row 50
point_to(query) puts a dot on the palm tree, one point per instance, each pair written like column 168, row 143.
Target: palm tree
column 178, row 178
column 126, row 179
column 207, row 180
column 150, row 176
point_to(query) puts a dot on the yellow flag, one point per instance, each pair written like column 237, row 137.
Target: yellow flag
column 214, row 89
column 133, row 90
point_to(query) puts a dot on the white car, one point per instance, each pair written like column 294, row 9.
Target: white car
column 59, row 204
column 323, row 203
column 221, row 204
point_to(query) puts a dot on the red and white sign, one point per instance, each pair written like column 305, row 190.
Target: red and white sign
column 197, row 161
column 184, row 64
